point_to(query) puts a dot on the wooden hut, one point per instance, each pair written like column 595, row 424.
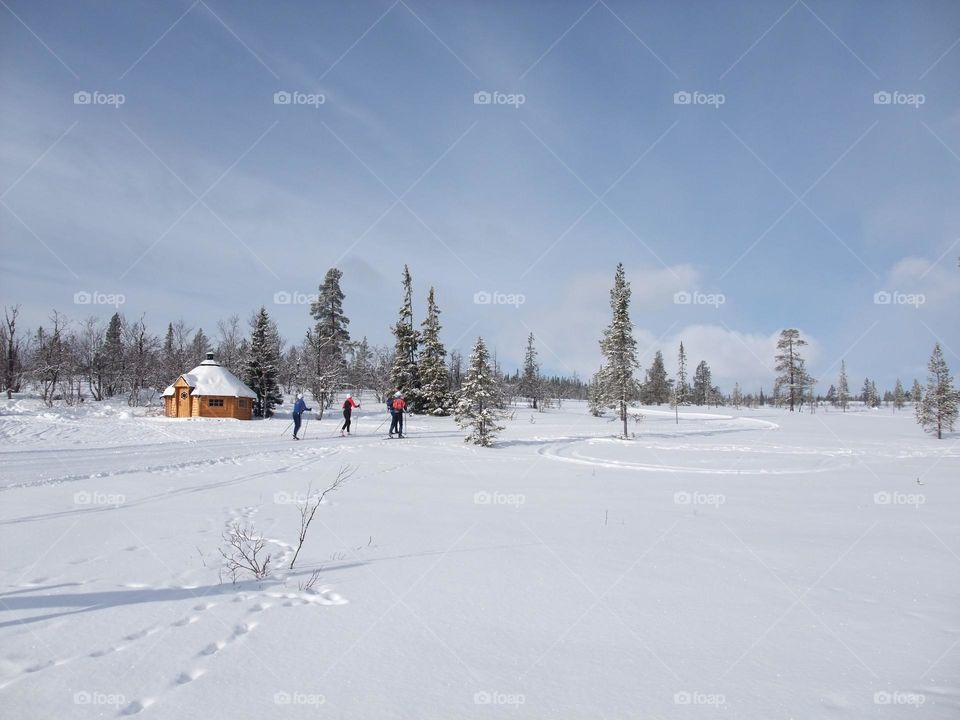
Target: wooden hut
column 209, row 390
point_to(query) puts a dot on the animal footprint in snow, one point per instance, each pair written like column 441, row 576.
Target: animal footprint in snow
column 136, row 706
column 189, row 620
column 188, row 677
column 212, row 648
column 260, row 607
column 203, row 606
column 242, row 629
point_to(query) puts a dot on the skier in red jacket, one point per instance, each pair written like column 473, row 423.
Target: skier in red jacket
column 348, row 405
column 397, row 406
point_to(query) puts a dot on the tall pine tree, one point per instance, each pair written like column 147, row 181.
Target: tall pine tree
column 434, row 379
column 262, row 365
column 531, row 386
column 843, row 387
column 793, row 378
column 682, row 386
column 329, row 339
column 937, row 411
column 478, row 409
column 619, row 348
column 405, row 374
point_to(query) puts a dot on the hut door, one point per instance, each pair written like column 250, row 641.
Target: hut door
column 183, row 402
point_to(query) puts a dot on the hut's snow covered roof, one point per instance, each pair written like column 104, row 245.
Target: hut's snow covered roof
column 210, row 378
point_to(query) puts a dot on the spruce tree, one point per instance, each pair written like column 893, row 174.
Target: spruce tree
column 478, row 408
column 843, row 387
column 938, row 409
column 113, row 355
column 262, row 365
column 596, row 400
column 656, row 389
column 793, row 378
column 619, row 349
column 329, row 339
column 531, row 386
column 702, row 384
column 899, row 397
column 434, row 396
column 405, row 374
column 916, row 392
column 682, row 385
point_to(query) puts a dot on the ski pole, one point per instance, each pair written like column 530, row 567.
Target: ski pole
column 380, row 426
column 305, row 423
column 286, row 429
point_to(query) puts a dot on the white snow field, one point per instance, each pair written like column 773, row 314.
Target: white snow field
column 739, row 564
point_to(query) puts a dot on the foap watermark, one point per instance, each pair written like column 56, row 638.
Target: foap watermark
column 495, row 497
column 83, row 297
column 899, row 498
column 686, row 297
column 494, row 697
column 895, row 97
column 282, row 497
column 895, row 297
column 696, row 697
column 686, row 97
column 495, row 97
column 482, row 297
column 295, row 97
column 294, row 297
column 97, row 697
column 298, row 698
column 899, row 697
column 698, row 498
column 95, row 97
column 85, row 497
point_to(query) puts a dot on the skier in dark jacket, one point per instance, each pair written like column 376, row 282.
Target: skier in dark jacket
column 397, row 405
column 348, row 405
column 298, row 407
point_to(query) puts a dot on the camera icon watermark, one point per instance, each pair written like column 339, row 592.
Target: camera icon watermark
column 514, row 500
column 696, row 697
column 485, row 97
column 295, row 97
column 895, row 497
column 695, row 297
column 95, row 97
column 695, row 97
column 494, row 697
column 294, row 297
column 898, row 697
column 699, row 498
column 83, row 297
column 895, row 97
column 299, row 698
column 483, row 297
column 895, row 297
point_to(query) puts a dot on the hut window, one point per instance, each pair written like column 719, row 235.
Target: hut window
column 243, row 402
column 215, row 402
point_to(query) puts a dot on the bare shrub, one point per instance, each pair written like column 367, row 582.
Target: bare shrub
column 243, row 551
column 308, row 508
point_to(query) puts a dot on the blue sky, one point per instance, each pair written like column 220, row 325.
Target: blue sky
column 794, row 201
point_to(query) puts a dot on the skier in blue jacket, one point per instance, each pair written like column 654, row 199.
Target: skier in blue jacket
column 298, row 407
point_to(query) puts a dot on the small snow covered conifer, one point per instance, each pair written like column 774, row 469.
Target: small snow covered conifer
column 478, row 409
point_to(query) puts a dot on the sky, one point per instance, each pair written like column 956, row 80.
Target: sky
column 754, row 166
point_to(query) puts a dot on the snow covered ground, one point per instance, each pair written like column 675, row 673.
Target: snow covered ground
column 739, row 564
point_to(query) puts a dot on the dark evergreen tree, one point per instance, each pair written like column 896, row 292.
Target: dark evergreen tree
column 619, row 348
column 657, row 388
column 435, row 398
column 262, row 366
column 405, row 374
column 531, row 386
column 937, row 412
